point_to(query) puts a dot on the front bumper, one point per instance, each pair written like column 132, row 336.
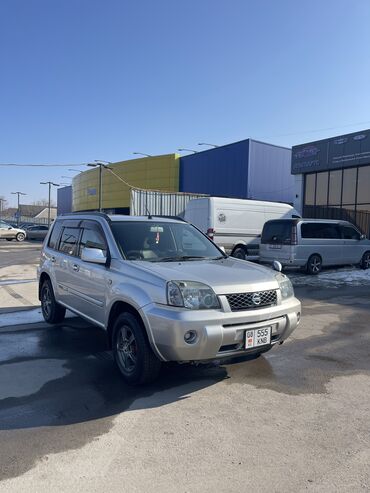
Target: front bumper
column 219, row 334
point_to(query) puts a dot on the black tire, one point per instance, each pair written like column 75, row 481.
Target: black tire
column 9, row 239
column 135, row 360
column 20, row 237
column 314, row 265
column 52, row 312
column 239, row 253
column 365, row 261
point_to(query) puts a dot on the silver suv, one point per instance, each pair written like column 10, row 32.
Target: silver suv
column 162, row 290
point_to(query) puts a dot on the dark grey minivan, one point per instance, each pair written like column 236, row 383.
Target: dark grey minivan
column 313, row 243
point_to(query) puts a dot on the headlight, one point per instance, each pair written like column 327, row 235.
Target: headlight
column 192, row 295
column 285, row 286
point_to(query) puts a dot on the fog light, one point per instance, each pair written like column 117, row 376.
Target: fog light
column 190, row 336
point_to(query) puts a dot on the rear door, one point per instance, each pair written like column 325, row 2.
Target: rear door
column 276, row 241
column 88, row 282
column 352, row 248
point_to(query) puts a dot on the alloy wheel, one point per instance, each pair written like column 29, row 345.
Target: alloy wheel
column 315, row 265
column 46, row 301
column 127, row 349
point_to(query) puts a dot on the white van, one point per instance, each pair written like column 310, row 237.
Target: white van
column 235, row 224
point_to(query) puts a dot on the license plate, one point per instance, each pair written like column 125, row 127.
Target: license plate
column 257, row 337
column 275, row 246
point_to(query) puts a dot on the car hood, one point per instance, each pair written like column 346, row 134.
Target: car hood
column 228, row 275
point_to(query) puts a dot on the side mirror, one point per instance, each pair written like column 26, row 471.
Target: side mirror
column 222, row 249
column 277, row 265
column 93, row 255
column 363, row 237
column 10, row 227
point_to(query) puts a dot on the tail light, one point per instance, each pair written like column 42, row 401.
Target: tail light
column 210, row 233
column 293, row 236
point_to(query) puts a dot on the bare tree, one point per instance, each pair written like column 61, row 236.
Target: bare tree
column 44, row 202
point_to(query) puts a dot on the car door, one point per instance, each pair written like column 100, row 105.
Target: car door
column 88, row 282
column 6, row 231
column 352, row 248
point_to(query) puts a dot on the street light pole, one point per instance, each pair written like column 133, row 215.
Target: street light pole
column 142, row 154
column 206, row 144
column 50, row 183
column 18, row 211
column 187, row 150
column 101, row 166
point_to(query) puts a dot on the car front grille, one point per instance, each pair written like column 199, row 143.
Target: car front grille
column 251, row 301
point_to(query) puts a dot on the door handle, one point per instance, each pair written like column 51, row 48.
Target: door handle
column 75, row 267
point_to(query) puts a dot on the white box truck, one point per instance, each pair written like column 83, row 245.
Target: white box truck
column 235, row 224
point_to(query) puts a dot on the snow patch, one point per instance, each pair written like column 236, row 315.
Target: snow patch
column 333, row 278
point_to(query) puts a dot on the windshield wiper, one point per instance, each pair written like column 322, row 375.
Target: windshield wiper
column 179, row 258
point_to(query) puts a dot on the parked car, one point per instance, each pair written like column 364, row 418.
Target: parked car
column 10, row 233
column 314, row 243
column 162, row 290
column 235, row 224
column 37, row 232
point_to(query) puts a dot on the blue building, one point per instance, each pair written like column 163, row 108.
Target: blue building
column 248, row 169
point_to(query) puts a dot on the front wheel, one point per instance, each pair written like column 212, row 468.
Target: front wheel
column 365, row 261
column 239, row 253
column 52, row 312
column 132, row 352
column 20, row 237
column 314, row 264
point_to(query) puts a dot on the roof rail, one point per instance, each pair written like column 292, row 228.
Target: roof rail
column 178, row 218
column 100, row 214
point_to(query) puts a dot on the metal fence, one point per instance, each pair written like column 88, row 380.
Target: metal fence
column 159, row 203
column 13, row 220
column 359, row 218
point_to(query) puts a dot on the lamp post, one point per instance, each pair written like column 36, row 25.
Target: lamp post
column 2, row 201
column 142, row 154
column 206, row 144
column 50, row 183
column 18, row 211
column 101, row 165
column 187, row 150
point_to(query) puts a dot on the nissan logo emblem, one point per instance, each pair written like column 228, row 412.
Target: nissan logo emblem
column 256, row 299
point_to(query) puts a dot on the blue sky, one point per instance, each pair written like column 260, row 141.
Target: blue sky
column 99, row 79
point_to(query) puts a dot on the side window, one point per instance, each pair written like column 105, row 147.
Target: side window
column 350, row 233
column 69, row 241
column 93, row 238
column 325, row 231
column 53, row 241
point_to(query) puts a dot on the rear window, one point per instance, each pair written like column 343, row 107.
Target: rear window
column 277, row 232
column 327, row 231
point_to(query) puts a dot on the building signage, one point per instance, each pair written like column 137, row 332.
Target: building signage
column 91, row 191
column 339, row 152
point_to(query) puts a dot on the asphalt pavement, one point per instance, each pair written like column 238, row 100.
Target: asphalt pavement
column 295, row 419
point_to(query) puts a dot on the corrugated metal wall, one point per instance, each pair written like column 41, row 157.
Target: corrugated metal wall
column 221, row 172
column 145, row 202
column 64, row 200
column 270, row 175
column 157, row 172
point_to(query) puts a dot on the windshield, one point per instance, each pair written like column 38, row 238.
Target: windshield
column 154, row 241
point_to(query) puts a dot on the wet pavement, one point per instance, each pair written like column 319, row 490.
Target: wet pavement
column 60, row 390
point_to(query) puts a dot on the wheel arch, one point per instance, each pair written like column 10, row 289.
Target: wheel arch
column 118, row 307
column 43, row 277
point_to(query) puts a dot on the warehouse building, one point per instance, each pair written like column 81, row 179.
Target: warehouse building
column 332, row 178
column 248, row 169
column 156, row 172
